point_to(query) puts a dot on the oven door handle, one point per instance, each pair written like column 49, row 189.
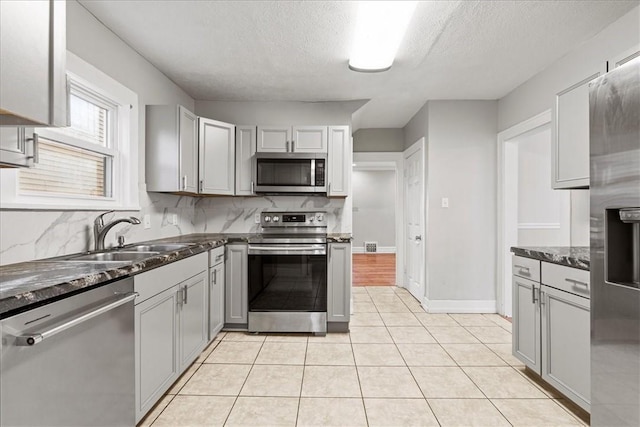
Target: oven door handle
column 288, row 250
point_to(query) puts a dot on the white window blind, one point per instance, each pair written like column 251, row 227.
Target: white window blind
column 77, row 160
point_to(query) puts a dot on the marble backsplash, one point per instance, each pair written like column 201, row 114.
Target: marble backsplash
column 27, row 235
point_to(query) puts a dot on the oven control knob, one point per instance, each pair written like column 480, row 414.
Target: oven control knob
column 319, row 217
column 267, row 218
column 276, row 218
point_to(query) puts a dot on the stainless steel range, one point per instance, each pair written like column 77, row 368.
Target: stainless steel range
column 288, row 273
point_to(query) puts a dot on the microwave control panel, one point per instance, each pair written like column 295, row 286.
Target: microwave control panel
column 320, row 172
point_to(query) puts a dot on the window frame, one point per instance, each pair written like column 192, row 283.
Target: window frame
column 122, row 147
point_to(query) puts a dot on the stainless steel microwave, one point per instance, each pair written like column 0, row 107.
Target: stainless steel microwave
column 290, row 173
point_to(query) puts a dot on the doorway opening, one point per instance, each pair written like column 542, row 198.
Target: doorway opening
column 531, row 213
column 377, row 216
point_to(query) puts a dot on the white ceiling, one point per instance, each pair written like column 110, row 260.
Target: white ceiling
column 298, row 50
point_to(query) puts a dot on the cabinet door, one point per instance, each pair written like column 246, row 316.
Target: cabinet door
column 566, row 344
column 339, row 282
column 309, row 139
column 216, row 300
column 623, row 58
column 526, row 322
column 13, row 147
column 340, row 163
column 33, row 52
column 187, row 130
column 570, row 163
column 194, row 325
column 274, row 139
column 236, row 284
column 155, row 348
column 217, row 157
column 245, row 149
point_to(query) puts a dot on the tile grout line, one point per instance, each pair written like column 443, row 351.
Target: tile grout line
column 304, row 368
column 226, row 420
column 355, row 365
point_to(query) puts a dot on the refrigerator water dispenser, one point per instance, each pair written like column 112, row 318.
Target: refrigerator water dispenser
column 622, row 247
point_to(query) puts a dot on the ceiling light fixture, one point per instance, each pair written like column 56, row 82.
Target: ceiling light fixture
column 380, row 28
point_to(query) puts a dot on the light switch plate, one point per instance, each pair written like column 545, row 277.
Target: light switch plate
column 445, row 202
column 146, row 220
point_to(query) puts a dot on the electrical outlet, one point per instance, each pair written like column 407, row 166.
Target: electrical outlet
column 146, row 220
column 257, row 218
column 445, row 202
column 174, row 219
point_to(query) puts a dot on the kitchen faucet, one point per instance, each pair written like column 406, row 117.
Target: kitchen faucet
column 100, row 230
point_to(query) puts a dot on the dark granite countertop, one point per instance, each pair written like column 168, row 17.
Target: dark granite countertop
column 571, row 256
column 339, row 238
column 33, row 283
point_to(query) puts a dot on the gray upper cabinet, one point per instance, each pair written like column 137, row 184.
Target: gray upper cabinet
column 340, row 162
column 236, row 286
column 171, row 149
column 292, row 139
column 274, row 139
column 566, row 342
column 245, row 149
column 570, row 133
column 217, row 157
column 339, row 282
column 17, row 145
column 309, row 139
column 33, row 52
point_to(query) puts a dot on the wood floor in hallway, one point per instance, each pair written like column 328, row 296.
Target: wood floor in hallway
column 374, row 269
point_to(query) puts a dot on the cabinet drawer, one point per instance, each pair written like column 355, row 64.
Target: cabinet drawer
column 216, row 256
column 155, row 281
column 567, row 279
column 526, row 267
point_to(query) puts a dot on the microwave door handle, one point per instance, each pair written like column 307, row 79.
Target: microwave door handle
column 313, row 172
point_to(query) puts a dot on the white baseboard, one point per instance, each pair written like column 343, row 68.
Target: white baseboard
column 459, row 306
column 381, row 250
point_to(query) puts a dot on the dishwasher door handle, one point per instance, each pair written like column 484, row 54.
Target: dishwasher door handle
column 33, row 339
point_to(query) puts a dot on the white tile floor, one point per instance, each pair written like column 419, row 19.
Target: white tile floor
column 399, row 366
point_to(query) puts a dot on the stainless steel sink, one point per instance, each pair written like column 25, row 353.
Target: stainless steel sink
column 114, row 256
column 168, row 247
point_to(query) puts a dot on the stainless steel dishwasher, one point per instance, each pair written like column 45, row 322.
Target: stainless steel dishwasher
column 71, row 362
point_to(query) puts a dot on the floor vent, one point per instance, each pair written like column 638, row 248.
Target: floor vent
column 370, row 247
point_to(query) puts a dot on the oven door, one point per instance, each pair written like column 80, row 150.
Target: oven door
column 288, row 278
column 289, row 173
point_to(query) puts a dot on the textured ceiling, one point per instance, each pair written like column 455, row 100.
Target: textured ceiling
column 299, row 50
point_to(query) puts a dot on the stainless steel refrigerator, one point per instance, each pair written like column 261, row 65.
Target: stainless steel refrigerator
column 615, row 246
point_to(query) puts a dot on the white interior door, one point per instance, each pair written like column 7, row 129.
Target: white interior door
column 414, row 220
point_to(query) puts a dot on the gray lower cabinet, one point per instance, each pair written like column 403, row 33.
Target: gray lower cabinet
column 171, row 326
column 339, row 282
column 566, row 344
column 216, row 291
column 236, row 285
column 526, row 322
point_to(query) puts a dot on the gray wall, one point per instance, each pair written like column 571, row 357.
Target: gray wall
column 374, row 207
column 48, row 233
column 537, row 94
column 461, row 165
column 378, row 140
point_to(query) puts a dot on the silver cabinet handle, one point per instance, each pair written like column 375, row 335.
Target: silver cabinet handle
column 252, row 187
column 33, row 339
column 542, row 296
column 36, row 148
column 293, row 146
column 329, row 189
column 185, row 295
column 201, row 185
column 287, row 146
column 522, row 267
column 576, row 282
column 215, row 277
column 184, row 182
column 533, row 294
